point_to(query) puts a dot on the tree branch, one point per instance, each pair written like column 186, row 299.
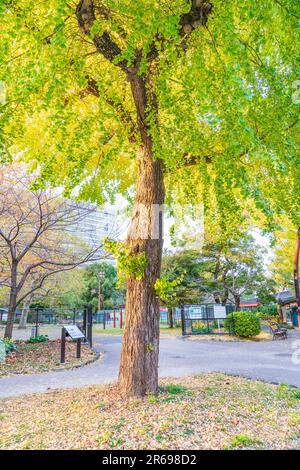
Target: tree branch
column 125, row 116
column 197, row 16
column 86, row 17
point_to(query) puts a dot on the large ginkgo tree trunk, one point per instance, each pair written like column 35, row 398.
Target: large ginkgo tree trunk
column 139, row 360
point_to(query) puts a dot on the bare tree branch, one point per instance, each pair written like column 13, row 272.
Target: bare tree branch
column 38, row 235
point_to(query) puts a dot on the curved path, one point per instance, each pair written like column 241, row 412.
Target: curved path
column 268, row 361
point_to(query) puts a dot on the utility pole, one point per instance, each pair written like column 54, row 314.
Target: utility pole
column 99, row 291
column 100, row 275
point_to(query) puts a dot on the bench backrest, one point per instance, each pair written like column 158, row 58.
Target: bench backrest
column 274, row 326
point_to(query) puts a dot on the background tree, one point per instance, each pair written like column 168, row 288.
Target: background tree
column 266, row 290
column 225, row 273
column 34, row 281
column 111, row 294
column 215, row 270
column 36, row 239
column 237, row 269
column 281, row 265
column 183, row 265
column 62, row 290
column 185, row 100
column 67, row 289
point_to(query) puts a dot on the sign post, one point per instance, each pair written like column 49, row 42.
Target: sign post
column 74, row 332
column 85, row 319
column 89, row 335
column 37, row 323
column 63, row 346
column 78, row 348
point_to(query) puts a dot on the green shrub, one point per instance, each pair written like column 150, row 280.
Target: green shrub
column 269, row 310
column 244, row 324
column 229, row 323
column 268, row 316
column 10, row 345
column 38, row 339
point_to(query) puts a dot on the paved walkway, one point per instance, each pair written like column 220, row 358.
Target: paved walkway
column 268, row 361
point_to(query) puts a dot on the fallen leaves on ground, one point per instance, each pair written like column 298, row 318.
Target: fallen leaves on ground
column 31, row 358
column 208, row 411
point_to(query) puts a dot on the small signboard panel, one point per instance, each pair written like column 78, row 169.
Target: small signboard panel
column 73, row 331
column 219, row 311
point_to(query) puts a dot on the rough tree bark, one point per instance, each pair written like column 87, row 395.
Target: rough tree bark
column 24, row 314
column 225, row 296
column 216, row 273
column 237, row 302
column 171, row 317
column 138, row 372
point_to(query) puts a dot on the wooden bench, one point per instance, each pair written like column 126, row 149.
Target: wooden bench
column 277, row 331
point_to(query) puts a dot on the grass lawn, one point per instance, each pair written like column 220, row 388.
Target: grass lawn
column 41, row 357
column 164, row 331
column 98, row 329
column 208, row 411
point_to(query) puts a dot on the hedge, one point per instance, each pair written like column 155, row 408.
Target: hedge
column 244, row 324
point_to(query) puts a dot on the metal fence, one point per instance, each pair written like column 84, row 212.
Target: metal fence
column 165, row 319
column 194, row 319
column 200, row 320
column 55, row 316
column 115, row 318
column 110, row 318
column 49, row 321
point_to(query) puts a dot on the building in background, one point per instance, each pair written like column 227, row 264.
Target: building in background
column 250, row 304
column 95, row 225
